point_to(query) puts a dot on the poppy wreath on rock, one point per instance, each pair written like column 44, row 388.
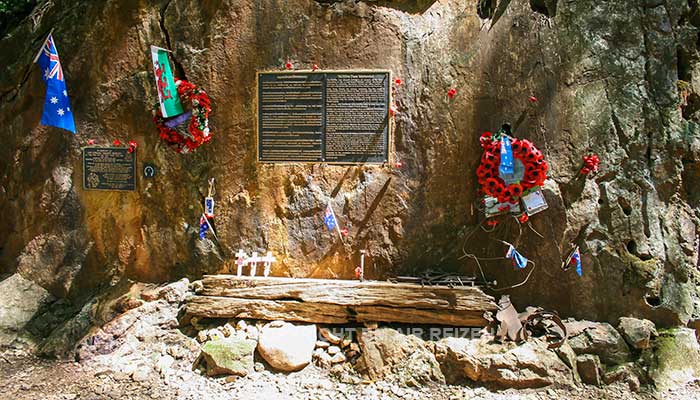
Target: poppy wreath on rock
column 196, row 133
column 535, row 168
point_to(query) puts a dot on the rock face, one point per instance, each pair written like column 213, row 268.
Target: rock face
column 530, row 365
column 386, row 351
column 20, row 301
column 637, row 332
column 676, row 358
column 287, row 347
column 602, row 340
column 230, row 356
column 616, row 78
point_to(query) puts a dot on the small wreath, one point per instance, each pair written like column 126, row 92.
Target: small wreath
column 173, row 130
column 534, row 164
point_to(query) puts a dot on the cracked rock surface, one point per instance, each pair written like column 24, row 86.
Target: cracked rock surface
column 617, row 78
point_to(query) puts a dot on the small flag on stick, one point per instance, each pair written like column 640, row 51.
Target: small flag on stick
column 57, row 111
column 518, row 259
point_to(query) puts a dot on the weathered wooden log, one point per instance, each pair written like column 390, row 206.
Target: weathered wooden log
column 338, row 301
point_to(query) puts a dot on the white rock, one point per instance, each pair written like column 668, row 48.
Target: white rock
column 322, row 344
column 141, row 374
column 164, row 363
column 241, row 325
column 215, row 334
column 252, row 332
column 333, row 350
column 287, row 347
column 338, row 358
column 202, row 336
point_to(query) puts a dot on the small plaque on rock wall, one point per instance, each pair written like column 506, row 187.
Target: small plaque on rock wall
column 109, row 168
column 337, row 117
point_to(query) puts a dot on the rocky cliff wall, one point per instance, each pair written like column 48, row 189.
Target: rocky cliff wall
column 617, row 78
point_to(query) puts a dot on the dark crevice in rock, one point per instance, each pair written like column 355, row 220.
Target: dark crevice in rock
column 547, row 8
column 645, row 213
column 485, row 8
column 625, row 205
column 653, row 301
column 179, row 70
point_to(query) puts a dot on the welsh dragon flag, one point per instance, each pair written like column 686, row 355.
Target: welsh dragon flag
column 170, row 104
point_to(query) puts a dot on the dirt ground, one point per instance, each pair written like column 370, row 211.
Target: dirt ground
column 27, row 377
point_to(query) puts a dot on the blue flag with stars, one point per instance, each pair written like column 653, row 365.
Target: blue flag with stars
column 329, row 218
column 57, row 111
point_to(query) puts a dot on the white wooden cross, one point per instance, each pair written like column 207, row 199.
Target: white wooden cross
column 268, row 260
column 241, row 260
column 253, row 261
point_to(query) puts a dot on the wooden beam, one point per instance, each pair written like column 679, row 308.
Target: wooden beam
column 338, row 301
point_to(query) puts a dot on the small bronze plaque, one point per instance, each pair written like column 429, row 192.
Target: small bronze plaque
column 109, row 168
column 339, row 117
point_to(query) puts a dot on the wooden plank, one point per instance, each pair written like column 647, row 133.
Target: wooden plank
column 338, row 301
column 289, row 310
column 349, row 293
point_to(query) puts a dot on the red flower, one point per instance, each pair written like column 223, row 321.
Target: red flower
column 116, row 142
column 91, row 142
column 486, row 140
column 314, row 67
column 533, row 99
column 132, row 146
column 523, row 218
column 398, row 82
column 516, row 189
column 451, row 93
column 288, row 65
column 398, row 164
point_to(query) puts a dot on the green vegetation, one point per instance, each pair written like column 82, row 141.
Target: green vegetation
column 12, row 12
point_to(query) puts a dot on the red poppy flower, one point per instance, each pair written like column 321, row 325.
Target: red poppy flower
column 398, row 82
column 492, row 183
column 523, row 218
column 516, row 189
column 451, row 93
column 116, row 142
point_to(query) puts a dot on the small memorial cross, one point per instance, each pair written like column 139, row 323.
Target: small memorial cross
column 241, row 260
column 253, row 261
column 268, row 260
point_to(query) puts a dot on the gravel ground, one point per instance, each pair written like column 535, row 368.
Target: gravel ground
column 25, row 377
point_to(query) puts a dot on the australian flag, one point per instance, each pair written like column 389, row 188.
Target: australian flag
column 576, row 259
column 329, row 218
column 57, row 110
column 203, row 227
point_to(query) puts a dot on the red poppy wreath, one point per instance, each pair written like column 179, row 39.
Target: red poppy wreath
column 173, row 131
column 534, row 166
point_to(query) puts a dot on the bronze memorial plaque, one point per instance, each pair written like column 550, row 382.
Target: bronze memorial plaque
column 334, row 117
column 109, row 168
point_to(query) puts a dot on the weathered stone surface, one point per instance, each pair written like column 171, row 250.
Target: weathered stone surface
column 589, row 369
column 229, row 356
column 386, row 351
column 530, row 365
column 676, row 358
column 287, row 347
column 20, row 301
column 606, row 75
column 602, row 340
column 637, row 332
column 175, row 292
